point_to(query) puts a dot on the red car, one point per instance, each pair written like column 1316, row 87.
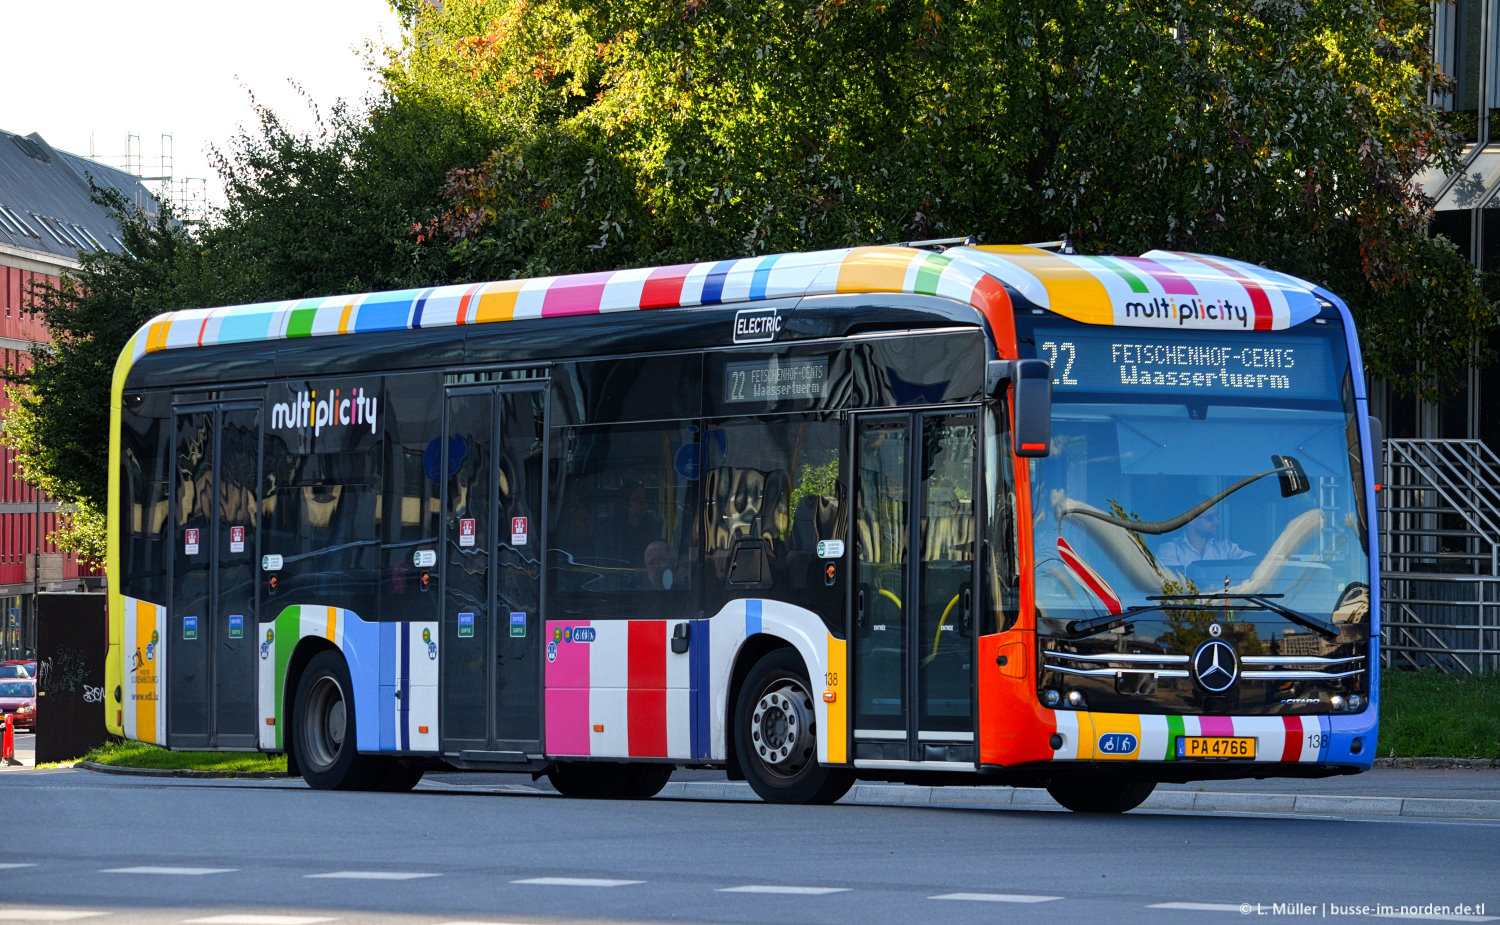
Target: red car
column 18, row 698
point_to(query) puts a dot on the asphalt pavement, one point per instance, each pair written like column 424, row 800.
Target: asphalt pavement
column 1441, row 792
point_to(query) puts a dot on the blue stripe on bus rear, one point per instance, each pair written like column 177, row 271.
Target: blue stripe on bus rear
column 698, row 658
column 421, row 303
column 405, row 681
column 388, row 717
column 713, row 285
column 386, row 311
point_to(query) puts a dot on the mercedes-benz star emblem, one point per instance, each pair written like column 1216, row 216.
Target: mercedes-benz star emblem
column 1216, row 666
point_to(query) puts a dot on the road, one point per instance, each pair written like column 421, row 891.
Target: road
column 478, row 850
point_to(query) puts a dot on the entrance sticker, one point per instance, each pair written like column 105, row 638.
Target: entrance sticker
column 236, row 539
column 517, row 625
column 190, row 541
column 466, row 531
column 189, row 627
column 465, row 625
column 518, row 531
column 236, row 626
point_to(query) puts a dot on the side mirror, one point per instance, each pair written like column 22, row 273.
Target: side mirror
column 1031, row 400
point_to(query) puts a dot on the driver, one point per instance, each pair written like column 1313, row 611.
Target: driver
column 1200, row 540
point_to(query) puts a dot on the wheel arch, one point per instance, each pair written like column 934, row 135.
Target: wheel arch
column 307, row 647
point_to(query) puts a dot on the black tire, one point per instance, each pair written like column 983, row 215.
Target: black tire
column 324, row 726
column 608, row 780
column 391, row 775
column 1094, row 794
column 776, row 735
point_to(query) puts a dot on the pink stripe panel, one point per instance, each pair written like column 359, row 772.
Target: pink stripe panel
column 567, row 701
column 1172, row 282
column 575, row 295
column 1216, row 725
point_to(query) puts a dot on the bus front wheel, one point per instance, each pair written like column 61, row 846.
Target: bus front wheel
column 324, row 727
column 1098, row 794
column 776, row 735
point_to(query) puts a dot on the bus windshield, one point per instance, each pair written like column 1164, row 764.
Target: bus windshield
column 1199, row 478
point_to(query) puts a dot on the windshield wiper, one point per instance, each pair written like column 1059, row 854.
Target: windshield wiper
column 1165, row 603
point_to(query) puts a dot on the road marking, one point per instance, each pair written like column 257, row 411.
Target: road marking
column 1202, row 907
column 369, row 875
column 14, row 866
column 44, row 915
column 996, row 897
column 790, row 890
column 240, row 919
column 171, row 871
column 576, row 881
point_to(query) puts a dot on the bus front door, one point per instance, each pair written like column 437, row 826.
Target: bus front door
column 211, row 651
column 492, row 548
column 914, row 588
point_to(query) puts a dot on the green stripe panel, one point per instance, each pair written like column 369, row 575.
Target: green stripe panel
column 301, row 322
column 288, row 625
column 1174, row 731
column 930, row 272
column 1120, row 270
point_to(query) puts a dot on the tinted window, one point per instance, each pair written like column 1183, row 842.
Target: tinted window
column 322, row 473
column 622, row 518
column 145, row 479
column 772, row 492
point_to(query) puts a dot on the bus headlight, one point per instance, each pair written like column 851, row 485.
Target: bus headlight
column 1337, row 703
column 1356, row 702
column 1075, row 700
column 1051, row 697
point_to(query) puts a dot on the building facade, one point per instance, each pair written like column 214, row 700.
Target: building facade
column 47, row 219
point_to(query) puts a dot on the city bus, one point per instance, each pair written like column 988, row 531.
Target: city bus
column 938, row 513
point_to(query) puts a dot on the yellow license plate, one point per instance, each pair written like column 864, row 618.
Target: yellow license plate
column 1215, row 747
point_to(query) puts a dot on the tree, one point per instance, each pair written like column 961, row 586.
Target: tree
column 58, row 425
column 1280, row 132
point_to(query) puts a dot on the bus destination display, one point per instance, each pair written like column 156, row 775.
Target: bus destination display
column 1164, row 362
column 776, row 379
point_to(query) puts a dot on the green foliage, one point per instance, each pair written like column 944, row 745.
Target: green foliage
column 531, row 137
column 1278, row 132
column 59, row 424
column 1429, row 714
column 142, row 755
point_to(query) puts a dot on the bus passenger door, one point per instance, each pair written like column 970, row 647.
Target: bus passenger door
column 490, row 685
column 914, row 587
column 211, row 651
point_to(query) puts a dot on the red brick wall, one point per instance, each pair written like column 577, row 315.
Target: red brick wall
column 18, row 528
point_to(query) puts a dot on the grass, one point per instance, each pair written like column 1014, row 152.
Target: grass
column 1429, row 714
column 141, row 755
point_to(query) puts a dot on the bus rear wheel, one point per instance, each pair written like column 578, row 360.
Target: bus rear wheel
column 1097, row 794
column 607, row 780
column 324, row 726
column 776, row 735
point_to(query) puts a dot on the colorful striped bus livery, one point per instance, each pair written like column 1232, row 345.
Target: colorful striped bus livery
column 942, row 514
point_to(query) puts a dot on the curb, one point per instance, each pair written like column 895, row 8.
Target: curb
column 1179, row 800
column 1020, row 797
column 176, row 772
column 1438, row 764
